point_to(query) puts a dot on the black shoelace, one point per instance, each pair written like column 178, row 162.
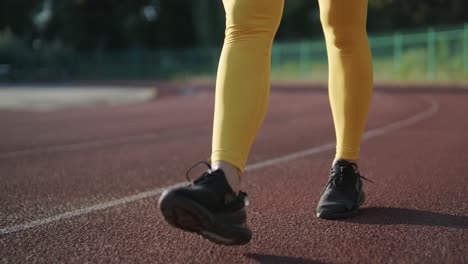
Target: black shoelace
column 203, row 176
column 336, row 178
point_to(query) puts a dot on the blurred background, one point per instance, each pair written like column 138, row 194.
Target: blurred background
column 100, row 40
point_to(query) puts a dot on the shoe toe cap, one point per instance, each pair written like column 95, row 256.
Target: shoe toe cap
column 329, row 209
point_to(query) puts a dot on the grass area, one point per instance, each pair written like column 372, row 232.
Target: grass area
column 412, row 67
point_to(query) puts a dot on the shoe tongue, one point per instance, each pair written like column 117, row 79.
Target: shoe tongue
column 344, row 166
column 342, row 163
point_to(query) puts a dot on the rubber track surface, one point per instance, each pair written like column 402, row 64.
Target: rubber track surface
column 59, row 162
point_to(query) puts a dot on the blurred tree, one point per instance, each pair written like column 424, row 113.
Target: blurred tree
column 15, row 15
column 301, row 19
column 209, row 29
column 387, row 15
column 121, row 24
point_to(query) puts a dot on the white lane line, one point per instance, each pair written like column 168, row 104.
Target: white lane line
column 77, row 146
column 430, row 111
column 86, row 210
column 89, row 144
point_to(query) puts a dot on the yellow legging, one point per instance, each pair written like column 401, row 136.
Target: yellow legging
column 243, row 79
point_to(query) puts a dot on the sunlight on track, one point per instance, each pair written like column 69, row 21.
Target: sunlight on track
column 428, row 112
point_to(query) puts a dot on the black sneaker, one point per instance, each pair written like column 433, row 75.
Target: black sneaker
column 343, row 193
column 208, row 207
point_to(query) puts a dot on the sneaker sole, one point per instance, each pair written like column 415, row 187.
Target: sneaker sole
column 324, row 214
column 190, row 216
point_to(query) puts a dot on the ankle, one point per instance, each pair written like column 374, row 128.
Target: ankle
column 232, row 173
column 348, row 160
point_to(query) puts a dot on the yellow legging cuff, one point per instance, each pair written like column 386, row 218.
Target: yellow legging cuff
column 236, row 159
column 347, row 154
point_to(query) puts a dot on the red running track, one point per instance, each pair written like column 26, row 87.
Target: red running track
column 81, row 185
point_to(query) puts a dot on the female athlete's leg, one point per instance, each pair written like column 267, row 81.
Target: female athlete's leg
column 350, row 71
column 243, row 79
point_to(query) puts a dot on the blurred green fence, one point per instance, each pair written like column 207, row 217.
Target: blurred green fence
column 434, row 54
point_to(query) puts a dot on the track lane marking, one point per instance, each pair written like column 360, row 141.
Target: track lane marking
column 92, row 144
column 431, row 110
